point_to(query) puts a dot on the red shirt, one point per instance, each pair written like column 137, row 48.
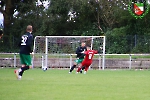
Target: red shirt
column 89, row 55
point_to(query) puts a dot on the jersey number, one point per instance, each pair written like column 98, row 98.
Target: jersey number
column 24, row 39
column 90, row 56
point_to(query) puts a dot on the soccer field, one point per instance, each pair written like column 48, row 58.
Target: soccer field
column 59, row 85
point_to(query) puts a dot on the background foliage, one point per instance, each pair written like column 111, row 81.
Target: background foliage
column 124, row 33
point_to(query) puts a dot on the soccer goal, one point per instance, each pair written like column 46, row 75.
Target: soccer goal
column 59, row 51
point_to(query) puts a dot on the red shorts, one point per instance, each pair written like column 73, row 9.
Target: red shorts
column 86, row 64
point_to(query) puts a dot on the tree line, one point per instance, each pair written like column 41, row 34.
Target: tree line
column 111, row 18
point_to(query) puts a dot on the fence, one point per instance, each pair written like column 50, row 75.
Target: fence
column 122, row 44
column 112, row 61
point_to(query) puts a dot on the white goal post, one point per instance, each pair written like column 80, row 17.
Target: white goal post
column 47, row 48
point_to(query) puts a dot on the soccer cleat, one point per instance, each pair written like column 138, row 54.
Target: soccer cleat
column 80, row 71
column 84, row 72
column 17, row 75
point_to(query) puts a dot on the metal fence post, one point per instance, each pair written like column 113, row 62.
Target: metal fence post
column 130, row 61
column 99, row 65
column 70, row 60
column 14, row 60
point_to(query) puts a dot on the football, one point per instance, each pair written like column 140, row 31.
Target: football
column 44, row 69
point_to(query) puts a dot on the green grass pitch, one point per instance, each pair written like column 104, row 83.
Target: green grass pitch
column 57, row 84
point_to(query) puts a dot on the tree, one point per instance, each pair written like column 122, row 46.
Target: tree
column 106, row 12
column 8, row 12
column 73, row 17
column 7, row 9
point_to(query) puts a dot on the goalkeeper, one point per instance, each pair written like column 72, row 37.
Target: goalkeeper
column 80, row 56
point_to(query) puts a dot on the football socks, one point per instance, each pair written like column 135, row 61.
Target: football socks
column 72, row 68
column 23, row 69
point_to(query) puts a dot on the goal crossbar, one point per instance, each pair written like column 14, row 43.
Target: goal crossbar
column 69, row 36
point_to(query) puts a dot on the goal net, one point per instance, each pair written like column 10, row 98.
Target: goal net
column 59, row 51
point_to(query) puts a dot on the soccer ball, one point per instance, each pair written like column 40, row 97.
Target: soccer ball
column 44, row 69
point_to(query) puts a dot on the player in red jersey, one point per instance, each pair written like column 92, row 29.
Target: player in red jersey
column 87, row 60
